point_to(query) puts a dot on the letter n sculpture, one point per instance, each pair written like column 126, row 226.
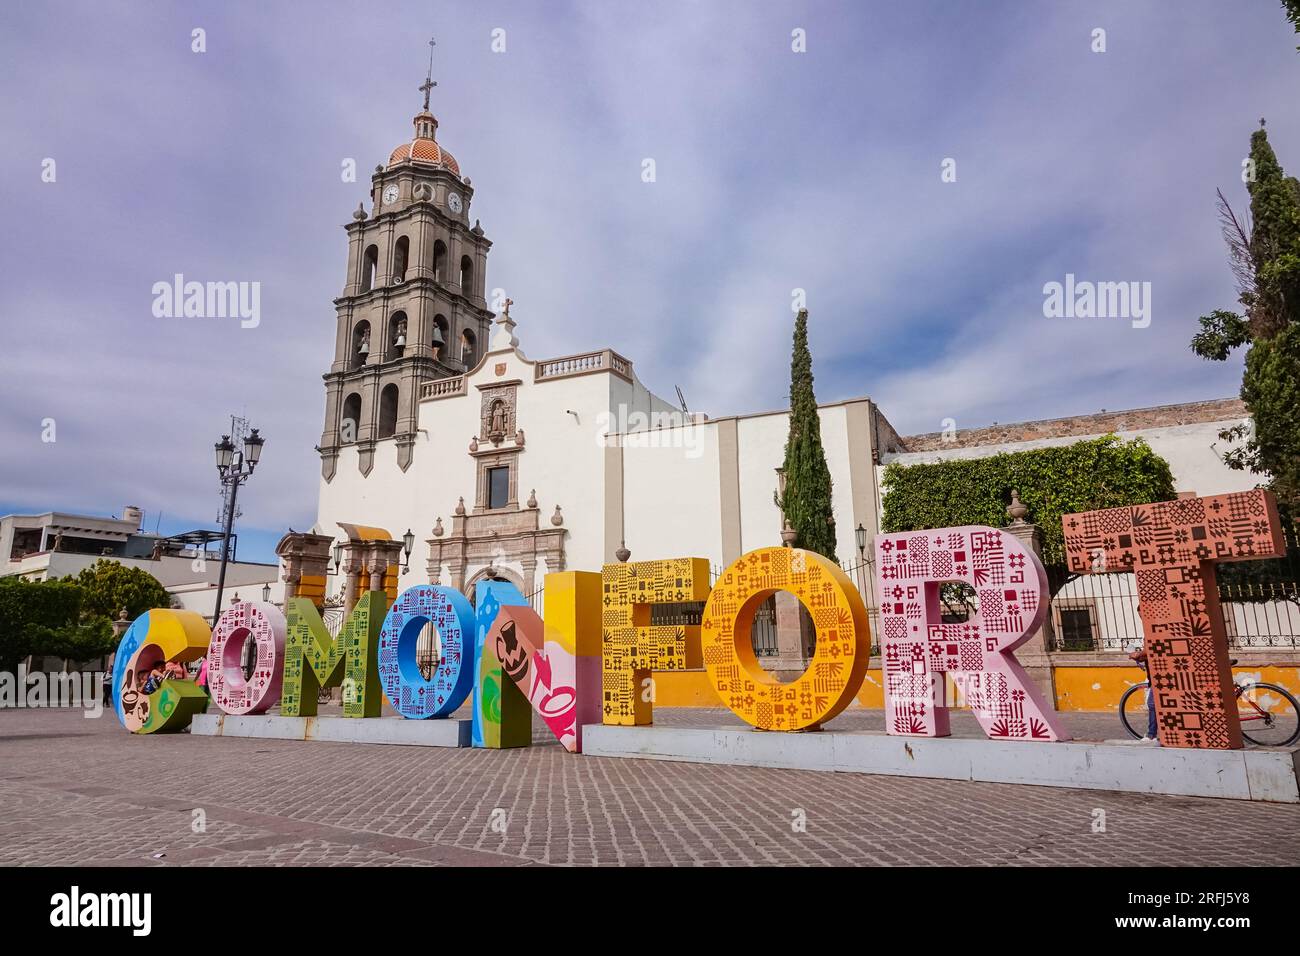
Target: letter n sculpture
column 1171, row 548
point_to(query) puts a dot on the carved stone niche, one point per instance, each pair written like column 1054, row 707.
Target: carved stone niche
column 497, row 411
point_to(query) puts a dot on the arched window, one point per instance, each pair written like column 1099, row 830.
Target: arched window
column 467, row 348
column 466, row 275
column 397, row 335
column 369, row 266
column 439, row 336
column 400, row 257
column 439, row 261
column 351, row 421
column 360, row 344
column 388, row 411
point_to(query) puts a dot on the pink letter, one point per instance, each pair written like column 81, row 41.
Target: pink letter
column 917, row 649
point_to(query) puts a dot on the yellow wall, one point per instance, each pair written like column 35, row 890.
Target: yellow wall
column 1096, row 688
column 1100, row 688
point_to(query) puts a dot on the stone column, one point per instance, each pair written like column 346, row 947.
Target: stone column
column 1033, row 655
column 302, row 554
column 352, row 568
column 794, row 635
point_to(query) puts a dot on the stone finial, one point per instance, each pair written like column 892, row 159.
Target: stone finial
column 622, row 553
column 557, row 519
column 532, row 498
column 473, row 443
column 519, row 438
column 360, row 214
column 788, row 534
column 1017, row 510
column 437, row 527
column 460, row 506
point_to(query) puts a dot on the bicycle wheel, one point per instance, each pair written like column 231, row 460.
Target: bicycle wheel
column 1133, row 710
column 1269, row 715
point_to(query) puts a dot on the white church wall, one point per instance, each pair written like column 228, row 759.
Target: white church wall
column 671, row 495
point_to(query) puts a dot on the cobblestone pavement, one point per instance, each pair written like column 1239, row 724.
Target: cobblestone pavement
column 74, row 790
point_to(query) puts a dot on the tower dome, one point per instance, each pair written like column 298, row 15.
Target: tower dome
column 423, row 148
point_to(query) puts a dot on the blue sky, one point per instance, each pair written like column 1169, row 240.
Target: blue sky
column 775, row 170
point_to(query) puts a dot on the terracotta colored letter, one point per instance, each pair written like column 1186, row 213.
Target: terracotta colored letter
column 1171, row 547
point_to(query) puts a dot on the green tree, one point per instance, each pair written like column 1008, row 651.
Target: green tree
column 1292, row 8
column 108, row 587
column 32, row 613
column 1265, row 257
column 806, row 502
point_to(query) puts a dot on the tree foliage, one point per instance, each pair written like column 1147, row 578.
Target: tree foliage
column 109, row 587
column 1086, row 475
column 1264, row 253
column 806, row 502
column 32, row 616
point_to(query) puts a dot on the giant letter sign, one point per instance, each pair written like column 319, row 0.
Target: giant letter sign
column 839, row 660
column 247, row 621
column 155, row 637
column 502, row 716
column 313, row 659
column 1171, row 547
column 405, row 687
column 632, row 644
column 917, row 649
column 557, row 663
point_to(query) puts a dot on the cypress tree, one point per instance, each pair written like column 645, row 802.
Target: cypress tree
column 1267, row 263
column 807, row 499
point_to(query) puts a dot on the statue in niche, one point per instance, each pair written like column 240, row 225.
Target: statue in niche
column 497, row 422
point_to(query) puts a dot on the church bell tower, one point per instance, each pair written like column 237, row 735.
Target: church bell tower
column 412, row 309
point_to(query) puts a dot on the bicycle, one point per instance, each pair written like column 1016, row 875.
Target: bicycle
column 1270, row 716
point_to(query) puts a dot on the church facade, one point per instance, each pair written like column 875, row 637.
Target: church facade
column 506, row 466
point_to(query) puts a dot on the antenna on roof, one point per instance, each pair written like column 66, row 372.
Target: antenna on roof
column 681, row 398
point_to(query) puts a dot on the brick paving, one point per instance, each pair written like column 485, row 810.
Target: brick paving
column 79, row 791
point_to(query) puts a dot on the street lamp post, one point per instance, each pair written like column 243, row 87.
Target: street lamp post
column 235, row 468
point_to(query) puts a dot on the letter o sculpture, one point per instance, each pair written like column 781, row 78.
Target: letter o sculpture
column 248, row 621
column 839, row 661
column 452, row 615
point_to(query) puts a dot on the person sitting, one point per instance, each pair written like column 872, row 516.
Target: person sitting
column 175, row 670
column 156, row 676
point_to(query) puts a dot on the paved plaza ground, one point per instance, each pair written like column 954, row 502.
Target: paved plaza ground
column 84, row 791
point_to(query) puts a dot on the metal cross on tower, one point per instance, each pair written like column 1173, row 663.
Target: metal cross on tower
column 427, row 86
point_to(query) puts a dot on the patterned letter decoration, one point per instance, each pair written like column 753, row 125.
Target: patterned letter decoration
column 263, row 624
column 406, row 688
column 1171, row 547
column 839, row 660
column 632, row 647
column 313, row 659
column 918, row 649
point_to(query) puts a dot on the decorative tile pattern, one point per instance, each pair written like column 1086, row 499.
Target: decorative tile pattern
column 1171, row 547
column 919, row 652
column 313, row 659
column 452, row 616
column 842, row 649
column 247, row 621
column 630, row 646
